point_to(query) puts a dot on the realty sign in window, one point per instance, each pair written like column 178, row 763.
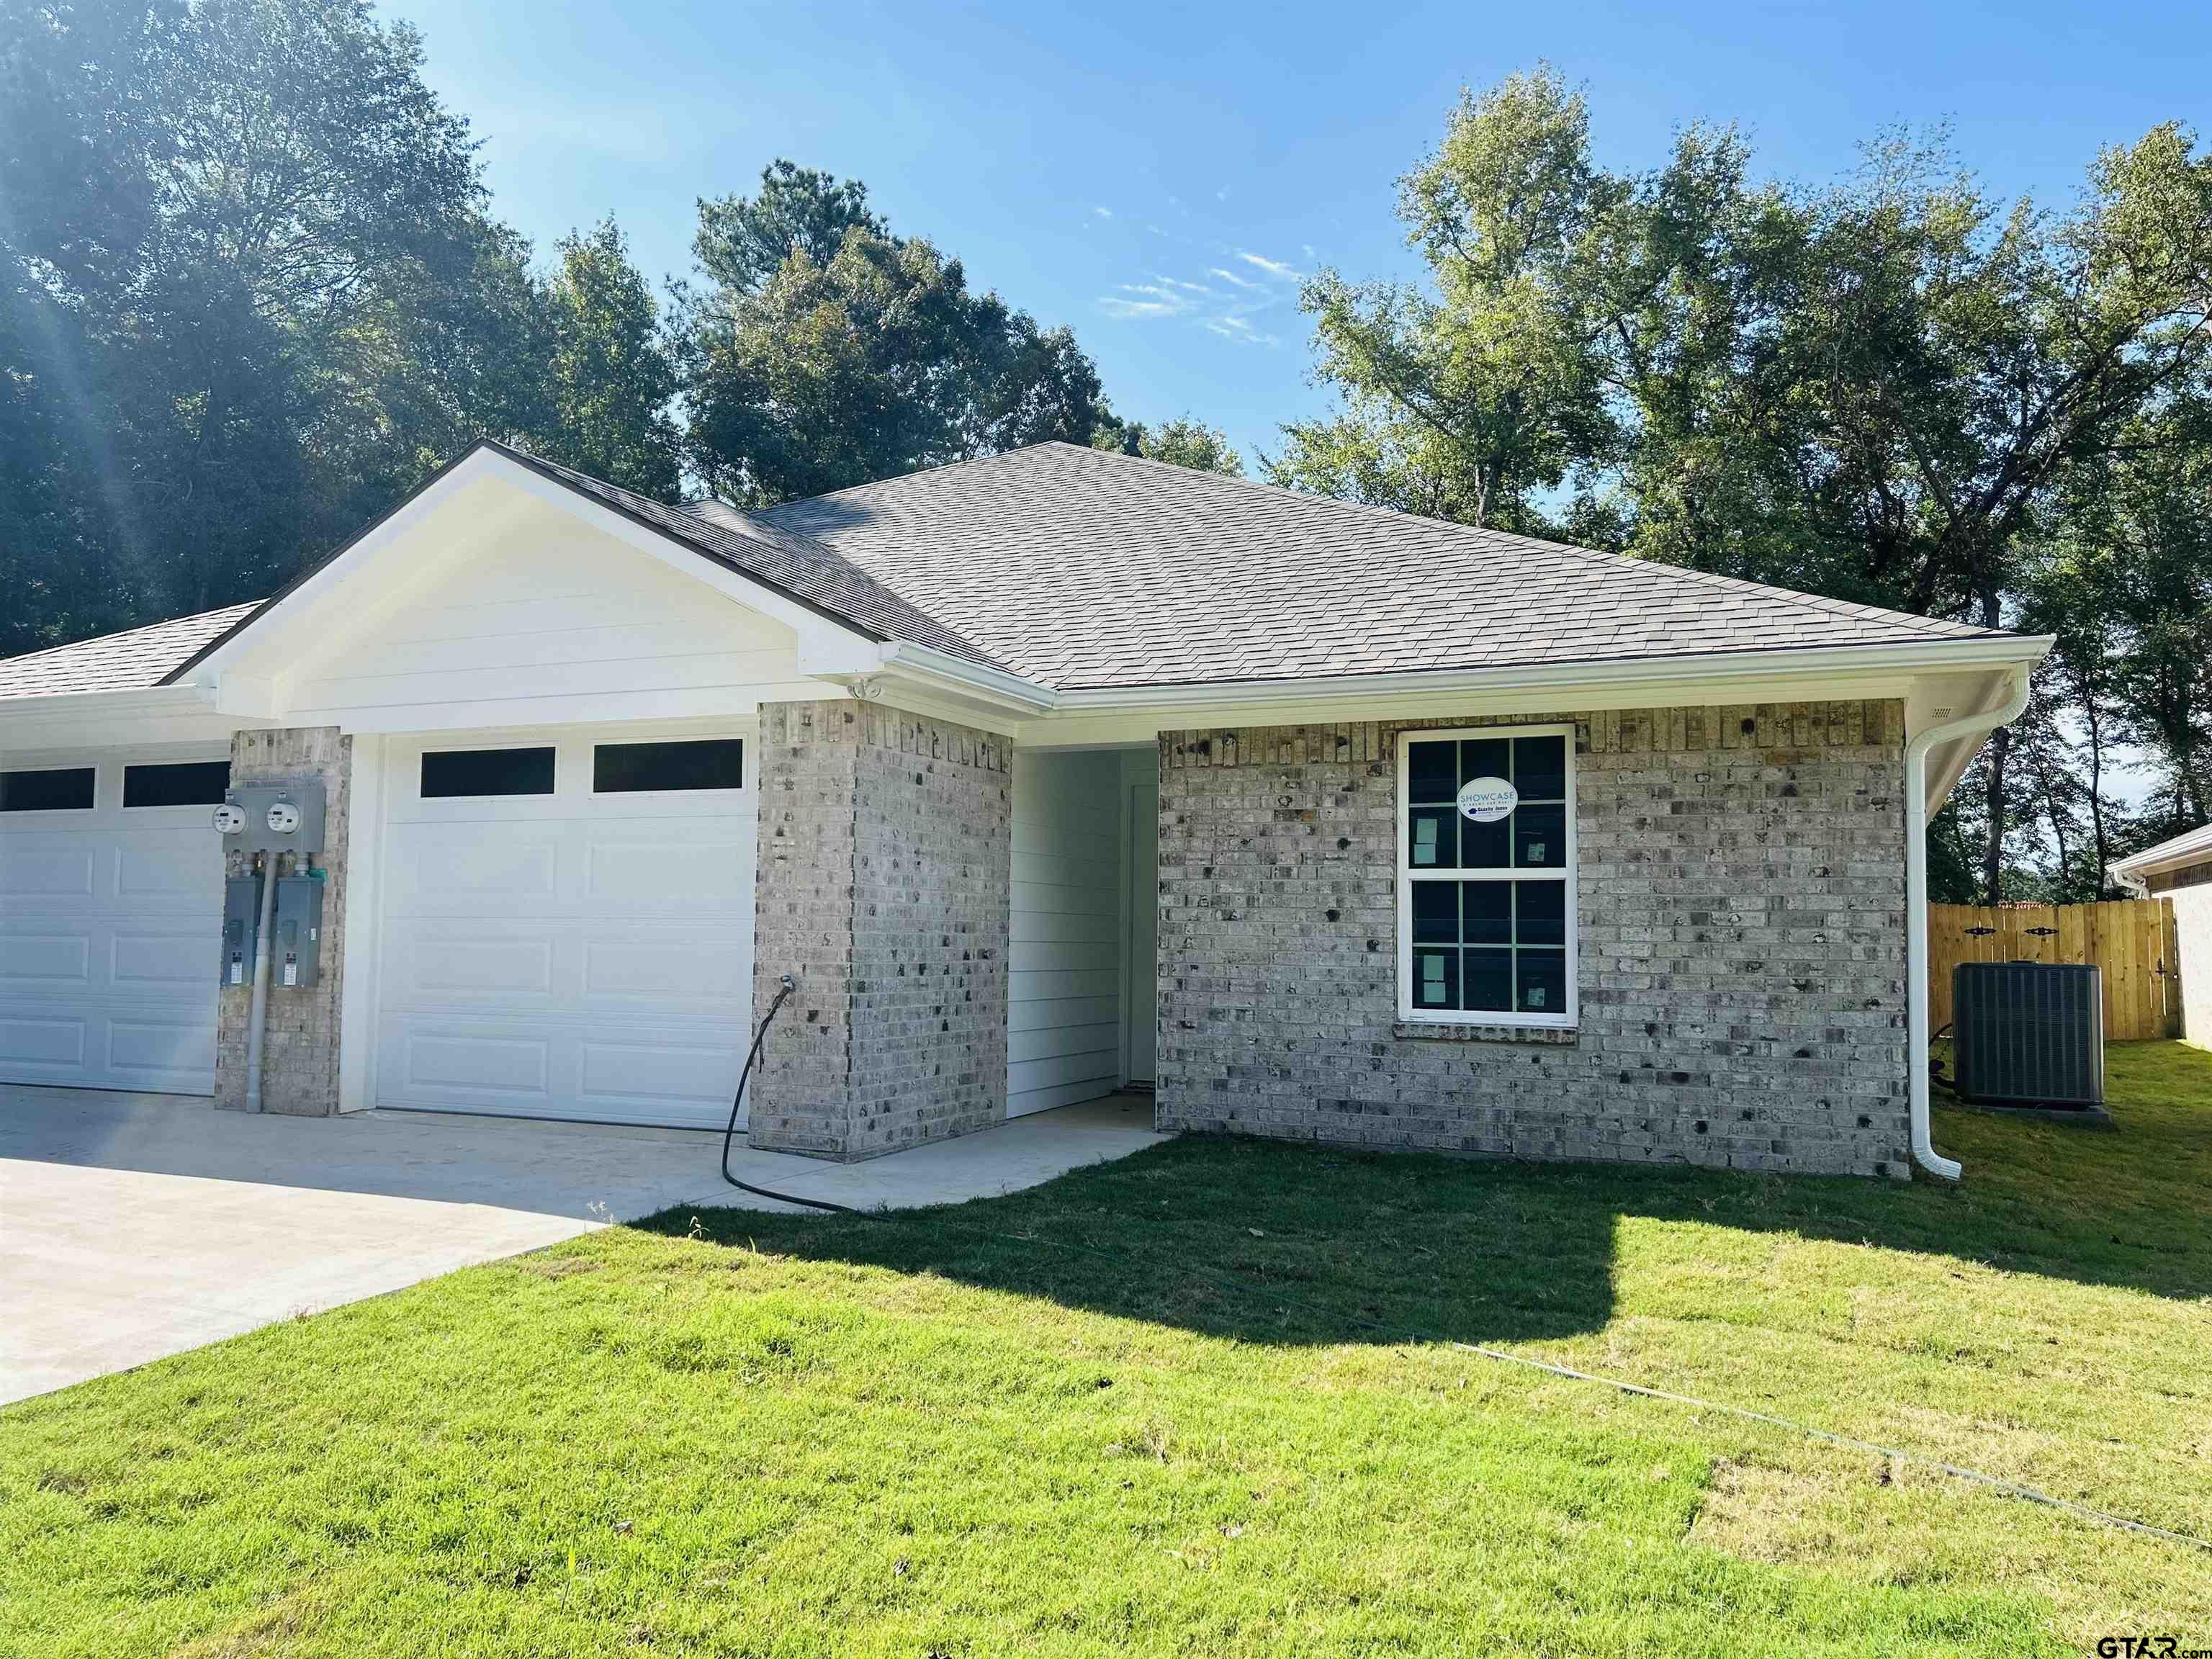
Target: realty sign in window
column 1485, row 876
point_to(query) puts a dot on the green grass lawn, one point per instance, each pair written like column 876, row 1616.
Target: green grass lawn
column 1175, row 1405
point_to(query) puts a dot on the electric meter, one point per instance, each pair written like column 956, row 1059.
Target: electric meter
column 230, row 819
column 283, row 817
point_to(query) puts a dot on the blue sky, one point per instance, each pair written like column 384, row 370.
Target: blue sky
column 1159, row 177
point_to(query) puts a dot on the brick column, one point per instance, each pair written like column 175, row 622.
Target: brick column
column 884, row 875
column 300, row 1045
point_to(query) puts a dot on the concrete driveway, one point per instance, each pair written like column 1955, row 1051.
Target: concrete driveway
column 133, row 1226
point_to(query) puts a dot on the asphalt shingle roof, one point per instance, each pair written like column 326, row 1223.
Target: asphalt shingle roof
column 116, row 662
column 1083, row 568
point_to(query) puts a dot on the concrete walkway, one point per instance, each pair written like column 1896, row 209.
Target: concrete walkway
column 133, row 1226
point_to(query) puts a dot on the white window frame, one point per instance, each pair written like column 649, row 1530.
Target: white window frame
column 1568, row 1018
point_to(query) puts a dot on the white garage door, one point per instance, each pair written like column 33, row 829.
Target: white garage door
column 111, row 916
column 567, row 925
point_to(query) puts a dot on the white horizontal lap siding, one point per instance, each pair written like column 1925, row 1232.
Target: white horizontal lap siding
column 550, row 621
column 1063, row 993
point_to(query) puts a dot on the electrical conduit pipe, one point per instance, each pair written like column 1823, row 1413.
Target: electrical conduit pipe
column 257, row 1019
column 1915, row 911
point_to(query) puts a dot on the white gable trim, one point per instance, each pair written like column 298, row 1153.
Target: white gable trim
column 826, row 646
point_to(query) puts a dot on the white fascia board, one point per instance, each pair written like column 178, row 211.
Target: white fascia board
column 940, row 671
column 1121, row 715
column 924, row 680
column 2192, row 846
column 141, row 715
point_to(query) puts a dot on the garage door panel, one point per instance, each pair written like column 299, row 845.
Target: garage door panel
column 438, row 1060
column 154, row 1052
column 689, row 971
column 159, row 960
column 436, row 963
column 473, row 868
column 44, row 963
column 568, row 955
column 167, row 870
column 42, row 1044
column 709, row 872
column 109, row 924
column 657, row 1081
column 47, row 868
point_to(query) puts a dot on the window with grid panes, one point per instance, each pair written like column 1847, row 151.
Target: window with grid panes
column 1485, row 876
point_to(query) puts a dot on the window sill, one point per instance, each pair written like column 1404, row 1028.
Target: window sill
column 1556, row 1036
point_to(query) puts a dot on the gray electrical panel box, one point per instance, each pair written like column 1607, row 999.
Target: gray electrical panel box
column 295, row 951
column 241, row 916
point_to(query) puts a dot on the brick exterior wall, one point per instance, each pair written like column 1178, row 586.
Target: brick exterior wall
column 300, row 1042
column 1741, row 887
column 885, row 871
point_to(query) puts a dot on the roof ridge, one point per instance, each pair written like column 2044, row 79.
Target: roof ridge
column 918, row 472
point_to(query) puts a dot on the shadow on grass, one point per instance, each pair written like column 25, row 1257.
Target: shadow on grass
column 1266, row 1241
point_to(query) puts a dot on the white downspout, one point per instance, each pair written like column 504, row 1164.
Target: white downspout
column 1915, row 911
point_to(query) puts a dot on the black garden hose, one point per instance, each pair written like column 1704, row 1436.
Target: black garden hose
column 736, row 1104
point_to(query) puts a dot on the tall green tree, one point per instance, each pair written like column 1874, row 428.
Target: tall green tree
column 250, row 294
column 856, row 354
column 1184, row 442
column 609, row 382
column 1473, row 396
column 1892, row 388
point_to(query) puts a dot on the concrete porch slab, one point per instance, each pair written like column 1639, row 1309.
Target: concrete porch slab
column 133, row 1226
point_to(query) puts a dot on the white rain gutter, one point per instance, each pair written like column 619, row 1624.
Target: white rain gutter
column 1915, row 909
column 1642, row 674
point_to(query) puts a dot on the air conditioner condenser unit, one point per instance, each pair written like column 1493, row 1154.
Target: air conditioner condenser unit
column 2028, row 1033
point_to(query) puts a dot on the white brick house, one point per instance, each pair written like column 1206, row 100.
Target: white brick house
column 1042, row 775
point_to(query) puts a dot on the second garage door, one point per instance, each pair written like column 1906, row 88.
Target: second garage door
column 567, row 925
column 111, row 911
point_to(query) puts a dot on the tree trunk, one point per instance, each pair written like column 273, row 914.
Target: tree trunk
column 2089, row 696
column 1994, row 804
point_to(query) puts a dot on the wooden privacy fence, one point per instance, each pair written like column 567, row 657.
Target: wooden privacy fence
column 2132, row 940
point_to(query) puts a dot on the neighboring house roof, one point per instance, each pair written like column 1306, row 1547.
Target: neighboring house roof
column 117, row 662
column 1084, row 567
column 2192, row 846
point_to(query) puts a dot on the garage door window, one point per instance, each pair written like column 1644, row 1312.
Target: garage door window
column 54, row 789
column 454, row 773
column 1486, row 877
column 188, row 783
column 619, row 768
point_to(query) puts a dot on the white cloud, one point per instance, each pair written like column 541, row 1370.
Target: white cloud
column 1232, row 327
column 1221, row 195
column 1177, row 282
column 1231, row 276
column 1272, row 267
column 1114, row 306
column 1103, row 212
